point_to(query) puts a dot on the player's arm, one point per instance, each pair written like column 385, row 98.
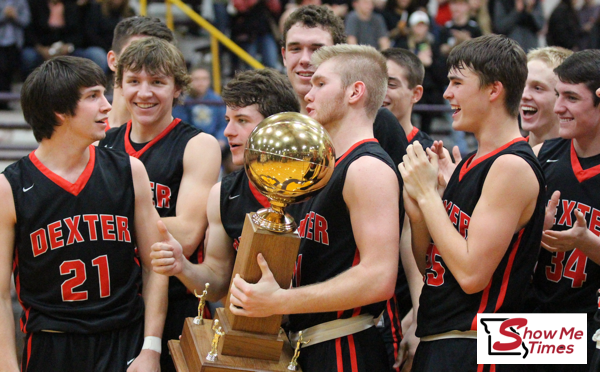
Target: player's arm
column 494, row 221
column 371, row 193
column 218, row 261
column 8, row 220
column 155, row 286
column 201, row 166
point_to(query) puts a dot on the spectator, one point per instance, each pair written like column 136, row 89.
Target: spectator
column 563, row 26
column 480, row 14
column 588, row 15
column 101, row 19
column 252, row 28
column 422, row 43
column 208, row 118
column 460, row 28
column 395, row 14
column 55, row 30
column 520, row 20
column 365, row 27
column 14, row 17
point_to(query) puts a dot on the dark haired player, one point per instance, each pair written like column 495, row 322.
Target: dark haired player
column 567, row 276
column 126, row 31
column 250, row 97
column 71, row 219
column 491, row 270
column 182, row 163
column 404, row 90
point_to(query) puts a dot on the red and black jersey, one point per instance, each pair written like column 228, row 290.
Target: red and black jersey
column 75, row 268
column 418, row 135
column 390, row 135
column 444, row 306
column 163, row 159
column 327, row 245
column 566, row 282
column 238, row 197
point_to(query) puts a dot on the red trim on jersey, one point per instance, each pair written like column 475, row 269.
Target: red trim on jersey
column 136, row 154
column 263, row 200
column 338, row 355
column 480, row 367
column 470, row 164
column 507, row 270
column 353, row 147
column 107, row 125
column 527, row 139
column 492, row 368
column 482, row 305
column 412, row 134
column 392, row 314
column 28, row 350
column 352, row 348
column 580, row 173
column 73, row 188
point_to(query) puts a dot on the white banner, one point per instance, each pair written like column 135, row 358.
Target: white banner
column 532, row 338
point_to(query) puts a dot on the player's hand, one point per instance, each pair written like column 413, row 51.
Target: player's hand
column 147, row 361
column 447, row 166
column 414, row 213
column 567, row 240
column 255, row 300
column 167, row 255
column 408, row 347
column 419, row 171
column 551, row 210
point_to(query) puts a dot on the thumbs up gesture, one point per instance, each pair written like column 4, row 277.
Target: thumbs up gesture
column 167, row 254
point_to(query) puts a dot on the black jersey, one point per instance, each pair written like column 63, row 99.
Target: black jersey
column 74, row 263
column 566, row 282
column 163, row 159
column 238, row 197
column 444, row 306
column 390, row 135
column 327, row 245
column 418, row 135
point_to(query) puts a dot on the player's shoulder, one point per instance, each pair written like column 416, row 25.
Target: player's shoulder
column 553, row 146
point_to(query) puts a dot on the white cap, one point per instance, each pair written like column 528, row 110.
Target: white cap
column 418, row 17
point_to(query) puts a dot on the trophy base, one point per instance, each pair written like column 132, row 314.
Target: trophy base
column 190, row 353
column 248, row 344
column 280, row 251
column 268, row 219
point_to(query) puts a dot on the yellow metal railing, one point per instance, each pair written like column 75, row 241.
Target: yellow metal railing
column 216, row 36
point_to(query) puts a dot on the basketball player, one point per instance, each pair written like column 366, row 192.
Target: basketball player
column 305, row 31
column 126, row 31
column 537, row 102
column 71, row 219
column 182, row 163
column 250, row 97
column 404, row 89
column 491, row 271
column 348, row 258
column 567, row 275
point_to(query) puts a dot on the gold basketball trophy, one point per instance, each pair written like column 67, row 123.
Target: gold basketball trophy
column 288, row 158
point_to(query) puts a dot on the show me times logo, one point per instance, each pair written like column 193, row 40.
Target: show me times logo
column 532, row 338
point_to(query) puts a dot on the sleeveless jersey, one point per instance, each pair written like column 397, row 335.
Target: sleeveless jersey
column 566, row 282
column 238, row 197
column 74, row 266
column 444, row 306
column 163, row 159
column 418, row 135
column 327, row 245
column 390, row 135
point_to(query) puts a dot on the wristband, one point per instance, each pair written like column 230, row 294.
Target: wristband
column 152, row 343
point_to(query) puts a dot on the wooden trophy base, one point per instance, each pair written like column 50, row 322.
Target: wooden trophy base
column 189, row 354
column 248, row 344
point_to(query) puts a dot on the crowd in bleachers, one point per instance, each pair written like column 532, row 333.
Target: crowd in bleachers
column 32, row 31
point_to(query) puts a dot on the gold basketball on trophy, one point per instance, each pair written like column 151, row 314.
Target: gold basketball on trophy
column 288, row 158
